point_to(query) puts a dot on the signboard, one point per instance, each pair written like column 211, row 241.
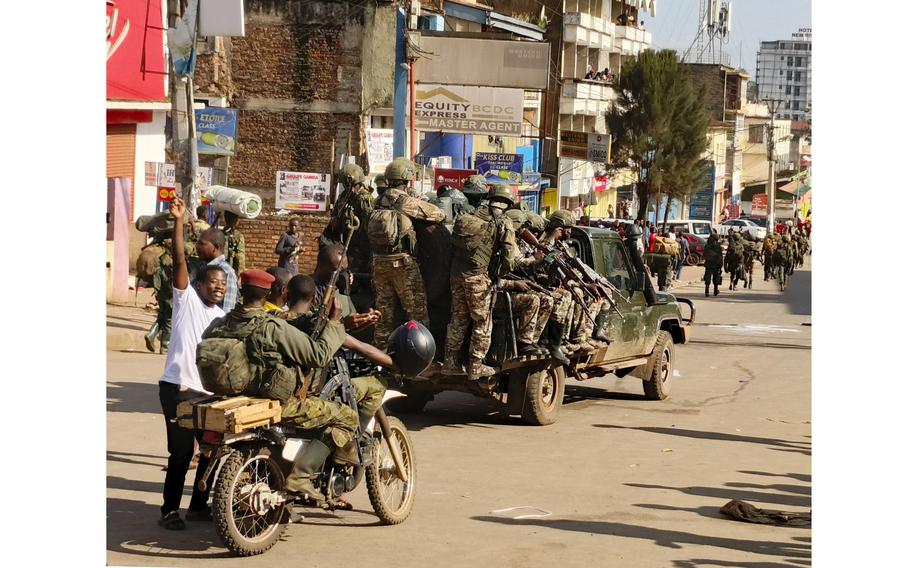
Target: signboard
column 221, row 18
column 379, row 149
column 216, row 131
column 573, row 144
column 167, row 175
column 701, row 204
column 450, row 177
column 181, row 41
column 599, row 148
column 530, row 181
column 151, row 173
column 301, row 191
column 499, row 168
column 164, row 178
column 135, row 50
column 468, row 110
column 490, row 63
column 601, row 184
column 759, row 205
column 531, row 199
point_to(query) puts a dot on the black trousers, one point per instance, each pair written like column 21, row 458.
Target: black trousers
column 180, row 449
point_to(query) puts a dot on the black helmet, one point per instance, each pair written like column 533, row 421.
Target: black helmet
column 633, row 231
column 412, row 347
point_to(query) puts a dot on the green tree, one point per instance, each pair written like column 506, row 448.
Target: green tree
column 659, row 127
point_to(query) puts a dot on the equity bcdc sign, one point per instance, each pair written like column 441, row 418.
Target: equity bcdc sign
column 468, row 110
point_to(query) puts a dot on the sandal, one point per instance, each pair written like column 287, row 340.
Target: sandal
column 172, row 522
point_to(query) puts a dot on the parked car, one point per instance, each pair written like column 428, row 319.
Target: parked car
column 742, row 226
column 760, row 221
column 691, row 226
column 696, row 249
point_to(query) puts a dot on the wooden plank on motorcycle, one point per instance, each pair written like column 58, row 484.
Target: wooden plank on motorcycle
column 232, row 415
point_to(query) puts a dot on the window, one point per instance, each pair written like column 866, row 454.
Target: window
column 789, row 75
column 756, row 133
column 617, row 271
column 798, row 76
column 788, row 89
column 787, row 104
column 790, row 61
column 796, row 91
column 799, row 61
column 795, row 105
column 780, row 72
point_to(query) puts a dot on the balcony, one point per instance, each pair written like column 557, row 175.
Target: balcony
column 631, row 40
column 588, row 90
column 583, row 29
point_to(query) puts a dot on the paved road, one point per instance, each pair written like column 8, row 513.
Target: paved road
column 618, row 481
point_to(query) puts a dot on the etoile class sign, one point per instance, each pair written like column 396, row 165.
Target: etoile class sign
column 468, row 110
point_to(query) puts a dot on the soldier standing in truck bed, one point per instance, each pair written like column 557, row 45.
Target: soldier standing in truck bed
column 483, row 250
column 393, row 243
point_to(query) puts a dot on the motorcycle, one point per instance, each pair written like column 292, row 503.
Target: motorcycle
column 250, row 506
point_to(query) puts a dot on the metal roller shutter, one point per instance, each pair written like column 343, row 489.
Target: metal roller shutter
column 121, row 155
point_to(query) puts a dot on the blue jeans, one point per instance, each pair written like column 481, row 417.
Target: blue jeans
column 682, row 262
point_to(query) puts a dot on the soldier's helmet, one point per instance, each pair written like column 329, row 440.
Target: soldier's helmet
column 502, row 193
column 412, row 347
column 634, row 231
column 401, row 170
column 561, row 218
column 536, row 222
column 787, row 238
column 350, row 175
column 518, row 217
column 475, row 184
column 380, row 183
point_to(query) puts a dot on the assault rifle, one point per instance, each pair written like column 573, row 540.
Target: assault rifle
column 322, row 311
column 563, row 271
column 494, row 271
column 604, row 286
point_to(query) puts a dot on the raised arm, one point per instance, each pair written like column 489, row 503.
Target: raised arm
column 181, row 272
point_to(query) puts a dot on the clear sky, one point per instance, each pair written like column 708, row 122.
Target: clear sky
column 754, row 21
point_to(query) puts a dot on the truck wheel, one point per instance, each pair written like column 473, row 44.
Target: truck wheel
column 657, row 387
column 545, row 390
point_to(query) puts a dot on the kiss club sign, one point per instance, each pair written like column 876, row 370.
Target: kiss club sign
column 135, row 50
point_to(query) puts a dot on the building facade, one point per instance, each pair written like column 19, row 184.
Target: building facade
column 784, row 72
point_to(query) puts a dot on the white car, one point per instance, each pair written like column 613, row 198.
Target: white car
column 742, row 226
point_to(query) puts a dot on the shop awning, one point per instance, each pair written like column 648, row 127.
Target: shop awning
column 751, row 190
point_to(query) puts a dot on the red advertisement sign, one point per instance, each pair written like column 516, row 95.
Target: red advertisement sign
column 135, row 50
column 600, row 183
column 453, row 178
column 760, row 205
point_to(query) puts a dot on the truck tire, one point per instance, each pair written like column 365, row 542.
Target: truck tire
column 657, row 387
column 543, row 400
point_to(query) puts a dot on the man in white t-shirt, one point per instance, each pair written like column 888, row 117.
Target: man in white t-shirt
column 194, row 308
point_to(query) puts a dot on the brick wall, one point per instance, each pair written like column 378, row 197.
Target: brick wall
column 262, row 233
column 711, row 78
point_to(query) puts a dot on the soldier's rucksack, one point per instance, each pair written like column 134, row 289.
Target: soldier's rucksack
column 781, row 255
column 389, row 230
column 665, row 245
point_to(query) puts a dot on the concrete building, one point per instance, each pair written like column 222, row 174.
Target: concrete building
column 784, row 72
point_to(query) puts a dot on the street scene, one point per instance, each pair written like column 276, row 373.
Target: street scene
column 529, row 280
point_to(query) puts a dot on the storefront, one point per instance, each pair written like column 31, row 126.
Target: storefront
column 137, row 108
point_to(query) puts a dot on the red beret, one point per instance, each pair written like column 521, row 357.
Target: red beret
column 256, row 277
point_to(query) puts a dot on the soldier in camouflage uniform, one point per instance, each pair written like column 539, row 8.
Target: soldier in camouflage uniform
column 714, row 264
column 533, row 307
column 751, row 250
column 359, row 200
column 393, row 242
column 783, row 261
column 452, row 202
column 733, row 260
column 484, row 250
column 768, row 246
column 234, row 243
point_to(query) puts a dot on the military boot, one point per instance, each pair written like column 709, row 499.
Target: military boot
column 150, row 337
column 300, row 479
column 716, row 290
column 707, row 290
column 554, row 333
column 451, row 366
column 527, row 349
column 477, row 370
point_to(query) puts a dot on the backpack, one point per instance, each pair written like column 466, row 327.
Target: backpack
column 781, row 255
column 223, row 359
column 389, row 230
column 666, row 245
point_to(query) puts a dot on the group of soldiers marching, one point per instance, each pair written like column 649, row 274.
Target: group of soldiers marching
column 780, row 254
column 450, row 260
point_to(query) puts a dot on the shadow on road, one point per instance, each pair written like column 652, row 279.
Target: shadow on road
column 126, row 457
column 796, row 446
column 576, row 393
column 132, row 529
column 456, row 410
column 697, row 562
column 797, row 476
column 126, row 396
column 723, row 493
column 661, row 537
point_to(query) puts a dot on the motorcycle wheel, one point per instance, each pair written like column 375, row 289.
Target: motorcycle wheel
column 244, row 526
column 391, row 497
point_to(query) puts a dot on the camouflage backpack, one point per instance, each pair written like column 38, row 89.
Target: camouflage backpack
column 389, row 230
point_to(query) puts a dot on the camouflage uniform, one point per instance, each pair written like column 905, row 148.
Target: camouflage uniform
column 235, row 249
column 298, row 351
column 714, row 261
column 361, row 203
column 534, row 311
column 768, row 246
column 477, row 237
column 396, row 275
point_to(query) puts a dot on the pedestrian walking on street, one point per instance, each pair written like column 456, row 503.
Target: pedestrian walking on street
column 194, row 308
column 288, row 248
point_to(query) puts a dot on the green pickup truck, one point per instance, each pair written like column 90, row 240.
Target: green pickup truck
column 640, row 342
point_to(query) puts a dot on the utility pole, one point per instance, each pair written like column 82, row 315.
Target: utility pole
column 773, row 105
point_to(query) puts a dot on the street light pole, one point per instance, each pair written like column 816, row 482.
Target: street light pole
column 771, row 188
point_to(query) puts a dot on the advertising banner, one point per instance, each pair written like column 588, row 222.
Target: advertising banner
column 166, row 184
column 494, row 63
column 468, row 110
column 759, row 205
column 181, row 40
column 601, row 184
column 135, row 50
column 500, row 168
column 379, row 149
column 216, row 131
column 573, row 144
column 531, row 199
column 530, row 182
column 701, row 204
column 598, row 148
column 301, row 191
column 451, row 178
